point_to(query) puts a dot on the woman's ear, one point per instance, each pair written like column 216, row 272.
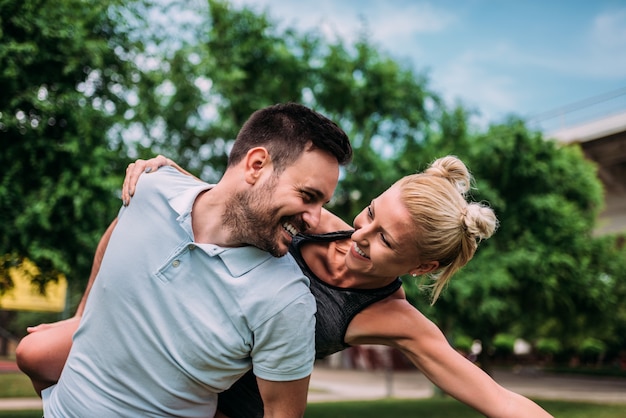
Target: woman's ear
column 425, row 268
column 257, row 161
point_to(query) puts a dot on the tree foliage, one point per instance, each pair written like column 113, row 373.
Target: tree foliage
column 543, row 274
column 241, row 61
column 86, row 87
column 61, row 77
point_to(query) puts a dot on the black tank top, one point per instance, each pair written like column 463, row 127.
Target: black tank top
column 336, row 307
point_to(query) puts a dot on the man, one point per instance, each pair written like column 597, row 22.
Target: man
column 188, row 296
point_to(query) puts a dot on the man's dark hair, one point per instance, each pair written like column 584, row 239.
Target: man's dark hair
column 285, row 130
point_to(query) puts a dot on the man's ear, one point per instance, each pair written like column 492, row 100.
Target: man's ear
column 257, row 161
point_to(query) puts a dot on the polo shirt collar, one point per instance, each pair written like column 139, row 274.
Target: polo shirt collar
column 183, row 202
column 241, row 260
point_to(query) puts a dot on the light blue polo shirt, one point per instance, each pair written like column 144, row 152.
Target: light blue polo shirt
column 169, row 323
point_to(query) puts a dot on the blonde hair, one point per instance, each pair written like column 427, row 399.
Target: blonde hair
column 448, row 227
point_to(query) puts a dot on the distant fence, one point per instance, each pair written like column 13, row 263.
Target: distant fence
column 592, row 108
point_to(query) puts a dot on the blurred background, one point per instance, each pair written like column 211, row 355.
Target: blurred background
column 531, row 95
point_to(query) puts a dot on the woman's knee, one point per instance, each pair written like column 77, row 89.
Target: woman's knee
column 27, row 356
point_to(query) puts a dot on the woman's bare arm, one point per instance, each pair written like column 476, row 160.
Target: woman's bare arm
column 396, row 323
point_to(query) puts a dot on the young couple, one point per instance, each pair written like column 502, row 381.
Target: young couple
column 141, row 317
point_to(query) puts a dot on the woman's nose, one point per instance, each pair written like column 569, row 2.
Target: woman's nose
column 360, row 234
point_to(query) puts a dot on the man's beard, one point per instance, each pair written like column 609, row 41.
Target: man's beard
column 252, row 220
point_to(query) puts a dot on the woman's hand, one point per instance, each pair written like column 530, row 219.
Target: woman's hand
column 43, row 327
column 136, row 169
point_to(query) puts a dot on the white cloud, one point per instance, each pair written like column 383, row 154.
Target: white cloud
column 609, row 30
column 411, row 20
column 491, row 75
column 601, row 52
column 332, row 19
column 386, row 22
column 606, row 47
column 468, row 78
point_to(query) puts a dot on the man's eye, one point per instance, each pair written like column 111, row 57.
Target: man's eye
column 307, row 197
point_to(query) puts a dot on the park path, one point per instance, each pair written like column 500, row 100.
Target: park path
column 328, row 384
column 332, row 384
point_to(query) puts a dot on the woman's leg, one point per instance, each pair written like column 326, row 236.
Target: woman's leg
column 42, row 354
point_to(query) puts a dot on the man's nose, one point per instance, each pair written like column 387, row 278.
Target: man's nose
column 312, row 216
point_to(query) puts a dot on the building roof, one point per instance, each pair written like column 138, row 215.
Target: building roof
column 589, row 131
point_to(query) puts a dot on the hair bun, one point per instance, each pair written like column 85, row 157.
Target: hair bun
column 480, row 221
column 452, row 169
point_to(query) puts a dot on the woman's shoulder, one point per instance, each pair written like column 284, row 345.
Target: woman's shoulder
column 391, row 319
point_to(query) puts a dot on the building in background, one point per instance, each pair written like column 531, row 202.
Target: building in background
column 598, row 125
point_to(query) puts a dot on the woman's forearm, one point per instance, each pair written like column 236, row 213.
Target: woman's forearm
column 95, row 267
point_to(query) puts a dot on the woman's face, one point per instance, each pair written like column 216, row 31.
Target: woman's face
column 382, row 243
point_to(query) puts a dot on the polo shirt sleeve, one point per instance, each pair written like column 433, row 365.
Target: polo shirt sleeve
column 284, row 345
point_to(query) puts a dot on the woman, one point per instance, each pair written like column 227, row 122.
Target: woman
column 422, row 225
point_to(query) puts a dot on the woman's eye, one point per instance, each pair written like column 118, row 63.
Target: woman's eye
column 382, row 237
column 369, row 212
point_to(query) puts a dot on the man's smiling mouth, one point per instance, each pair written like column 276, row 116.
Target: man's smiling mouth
column 290, row 229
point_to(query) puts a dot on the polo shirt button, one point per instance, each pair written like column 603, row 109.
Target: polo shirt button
column 191, row 247
column 175, row 263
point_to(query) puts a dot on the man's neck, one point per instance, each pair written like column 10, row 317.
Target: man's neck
column 206, row 218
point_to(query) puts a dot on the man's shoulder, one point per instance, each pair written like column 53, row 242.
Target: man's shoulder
column 168, row 179
column 269, row 285
column 171, row 185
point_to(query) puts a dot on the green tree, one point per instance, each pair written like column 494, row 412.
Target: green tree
column 249, row 63
column 65, row 67
column 602, row 315
column 229, row 64
column 383, row 106
column 541, row 263
column 87, row 86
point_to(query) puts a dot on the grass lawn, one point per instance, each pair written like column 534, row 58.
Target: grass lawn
column 21, row 414
column 428, row 408
column 447, row 407
column 18, row 385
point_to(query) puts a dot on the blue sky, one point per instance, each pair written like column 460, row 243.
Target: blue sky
column 499, row 57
